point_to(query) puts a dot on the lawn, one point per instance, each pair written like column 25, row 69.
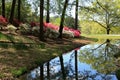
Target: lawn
column 103, row 36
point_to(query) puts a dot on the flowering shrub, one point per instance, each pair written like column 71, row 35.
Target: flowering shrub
column 68, row 34
column 11, row 28
column 35, row 30
column 75, row 32
column 51, row 28
column 50, row 33
column 25, row 28
column 33, row 24
column 66, row 31
column 16, row 22
column 3, row 21
column 50, row 25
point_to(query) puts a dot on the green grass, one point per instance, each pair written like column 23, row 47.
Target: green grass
column 15, row 38
column 103, row 36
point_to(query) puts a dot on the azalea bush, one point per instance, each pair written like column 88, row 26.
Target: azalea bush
column 3, row 22
column 25, row 28
column 11, row 28
column 35, row 30
column 34, row 24
column 50, row 33
column 51, row 30
column 67, row 32
column 16, row 22
column 51, row 26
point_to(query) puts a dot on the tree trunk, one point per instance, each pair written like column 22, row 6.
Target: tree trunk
column 76, row 15
column 41, row 35
column 3, row 8
column 108, row 30
column 19, row 5
column 48, row 16
column 12, row 11
column 62, row 19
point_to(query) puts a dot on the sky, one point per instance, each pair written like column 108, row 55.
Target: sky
column 68, row 12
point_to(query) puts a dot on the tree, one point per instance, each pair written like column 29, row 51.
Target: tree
column 48, row 16
column 76, row 15
column 106, row 13
column 56, row 6
column 19, row 6
column 12, row 11
column 3, row 8
column 62, row 19
column 41, row 35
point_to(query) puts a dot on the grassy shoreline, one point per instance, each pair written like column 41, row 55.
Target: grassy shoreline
column 103, row 36
column 15, row 61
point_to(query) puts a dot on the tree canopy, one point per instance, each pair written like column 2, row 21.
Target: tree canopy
column 106, row 13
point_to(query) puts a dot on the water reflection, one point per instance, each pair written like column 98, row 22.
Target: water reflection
column 91, row 62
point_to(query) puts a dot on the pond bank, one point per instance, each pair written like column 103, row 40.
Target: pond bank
column 14, row 62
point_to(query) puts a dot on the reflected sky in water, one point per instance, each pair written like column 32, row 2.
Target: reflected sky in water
column 95, row 62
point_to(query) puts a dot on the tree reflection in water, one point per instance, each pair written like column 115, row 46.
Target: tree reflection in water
column 95, row 62
column 101, row 58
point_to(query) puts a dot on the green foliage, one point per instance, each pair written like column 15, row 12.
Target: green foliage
column 70, row 22
column 115, row 30
column 18, row 72
column 2, row 75
column 89, row 27
column 105, row 13
column 26, row 10
column 55, row 20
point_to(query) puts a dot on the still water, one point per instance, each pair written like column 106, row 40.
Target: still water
column 92, row 62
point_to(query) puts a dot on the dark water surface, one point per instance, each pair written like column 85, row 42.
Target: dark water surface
column 94, row 62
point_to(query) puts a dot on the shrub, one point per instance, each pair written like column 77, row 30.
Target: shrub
column 16, row 22
column 68, row 34
column 35, row 30
column 52, row 26
column 25, row 28
column 34, row 24
column 11, row 28
column 3, row 21
column 50, row 33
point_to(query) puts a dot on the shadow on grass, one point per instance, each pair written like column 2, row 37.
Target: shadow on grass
column 8, row 41
column 21, row 46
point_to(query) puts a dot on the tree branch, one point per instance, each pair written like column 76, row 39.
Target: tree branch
column 99, row 24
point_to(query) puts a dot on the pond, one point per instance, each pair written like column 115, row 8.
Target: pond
column 91, row 62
